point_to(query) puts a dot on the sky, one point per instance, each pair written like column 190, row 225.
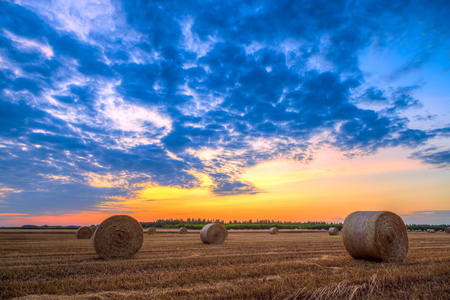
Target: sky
column 231, row 110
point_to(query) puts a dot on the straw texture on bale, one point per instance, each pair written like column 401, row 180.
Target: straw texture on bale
column 151, row 230
column 447, row 230
column 183, row 230
column 375, row 235
column 273, row 230
column 213, row 233
column 333, row 231
column 84, row 232
column 118, row 237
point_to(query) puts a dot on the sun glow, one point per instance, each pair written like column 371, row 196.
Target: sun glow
column 326, row 189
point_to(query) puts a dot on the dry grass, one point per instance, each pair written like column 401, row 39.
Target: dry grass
column 247, row 266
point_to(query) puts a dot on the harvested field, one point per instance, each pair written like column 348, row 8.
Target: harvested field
column 310, row 265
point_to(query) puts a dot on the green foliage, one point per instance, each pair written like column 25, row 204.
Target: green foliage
column 258, row 224
column 192, row 223
column 424, row 227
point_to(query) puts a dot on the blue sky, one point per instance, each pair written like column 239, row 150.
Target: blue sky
column 164, row 93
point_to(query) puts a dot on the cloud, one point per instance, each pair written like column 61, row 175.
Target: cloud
column 433, row 156
column 441, row 131
column 4, row 191
column 102, row 97
column 415, row 63
column 373, row 94
column 20, row 42
column 11, row 214
column 227, row 188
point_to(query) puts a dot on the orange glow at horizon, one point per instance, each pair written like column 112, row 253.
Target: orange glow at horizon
column 327, row 189
column 79, row 219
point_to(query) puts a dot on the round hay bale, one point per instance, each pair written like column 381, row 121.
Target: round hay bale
column 214, row 233
column 273, row 230
column 84, row 232
column 447, row 230
column 375, row 235
column 333, row 231
column 183, row 230
column 151, row 230
column 94, row 229
column 118, row 237
column 431, row 231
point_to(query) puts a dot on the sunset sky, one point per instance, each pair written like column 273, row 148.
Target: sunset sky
column 233, row 110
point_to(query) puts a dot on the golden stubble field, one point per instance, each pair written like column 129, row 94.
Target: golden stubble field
column 249, row 265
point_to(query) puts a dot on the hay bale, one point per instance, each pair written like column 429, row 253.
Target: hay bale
column 151, row 230
column 273, row 230
column 118, row 237
column 94, row 228
column 333, row 231
column 213, row 233
column 84, row 232
column 447, row 230
column 375, row 235
column 431, row 231
column 183, row 230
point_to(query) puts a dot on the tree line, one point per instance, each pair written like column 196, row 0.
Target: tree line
column 192, row 223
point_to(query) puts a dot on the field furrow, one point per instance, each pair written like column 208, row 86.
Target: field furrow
column 248, row 265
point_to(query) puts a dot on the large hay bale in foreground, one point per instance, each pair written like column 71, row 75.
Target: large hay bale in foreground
column 213, row 233
column 375, row 235
column 447, row 230
column 333, row 231
column 183, row 230
column 84, row 232
column 118, row 237
column 273, row 230
column 151, row 230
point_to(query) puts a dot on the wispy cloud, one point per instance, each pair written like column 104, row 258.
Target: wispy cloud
column 11, row 214
column 433, row 156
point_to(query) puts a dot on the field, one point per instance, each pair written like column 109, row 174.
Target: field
column 249, row 265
